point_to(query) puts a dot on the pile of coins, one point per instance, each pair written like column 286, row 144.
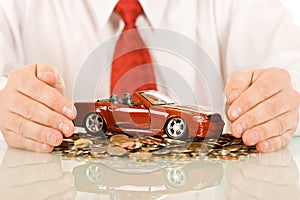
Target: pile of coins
column 150, row 148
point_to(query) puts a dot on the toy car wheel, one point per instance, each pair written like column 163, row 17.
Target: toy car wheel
column 176, row 128
column 94, row 123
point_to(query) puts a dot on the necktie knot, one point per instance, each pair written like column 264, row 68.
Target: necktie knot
column 129, row 10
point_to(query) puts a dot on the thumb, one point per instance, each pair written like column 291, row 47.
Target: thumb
column 49, row 75
column 237, row 83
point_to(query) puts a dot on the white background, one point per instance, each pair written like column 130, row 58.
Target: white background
column 294, row 7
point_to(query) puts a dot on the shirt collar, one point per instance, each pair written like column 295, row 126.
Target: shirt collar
column 153, row 12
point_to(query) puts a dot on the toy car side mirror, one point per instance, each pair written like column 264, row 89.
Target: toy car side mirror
column 139, row 104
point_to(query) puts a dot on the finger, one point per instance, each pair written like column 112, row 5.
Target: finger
column 272, row 128
column 31, row 130
column 275, row 143
column 16, row 157
column 45, row 189
column 15, row 140
column 41, row 114
column 263, row 112
column 237, row 82
column 263, row 88
column 48, row 74
column 28, row 84
column 27, row 174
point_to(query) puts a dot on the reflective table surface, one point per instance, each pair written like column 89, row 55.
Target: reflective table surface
column 29, row 175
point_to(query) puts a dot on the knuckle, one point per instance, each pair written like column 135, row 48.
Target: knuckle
column 262, row 132
column 282, row 73
column 53, row 120
column 56, row 101
column 245, row 103
column 29, row 109
column 251, row 120
column 40, row 134
column 270, row 108
column 14, row 75
column 25, row 144
column 281, row 125
column 285, row 139
column 20, row 124
column 263, row 89
column 37, row 89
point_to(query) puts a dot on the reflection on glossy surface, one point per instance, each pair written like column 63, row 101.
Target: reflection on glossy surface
column 175, row 178
column 272, row 176
column 29, row 175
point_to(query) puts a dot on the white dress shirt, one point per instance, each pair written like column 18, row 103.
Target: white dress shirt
column 237, row 35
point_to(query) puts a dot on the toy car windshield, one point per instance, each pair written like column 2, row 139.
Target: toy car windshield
column 156, row 98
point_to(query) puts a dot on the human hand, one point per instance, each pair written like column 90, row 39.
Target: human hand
column 263, row 107
column 32, row 175
column 269, row 176
column 34, row 114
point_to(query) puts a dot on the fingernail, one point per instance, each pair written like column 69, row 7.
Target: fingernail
column 40, row 75
column 52, row 139
column 266, row 146
column 240, row 128
column 64, row 127
column 236, row 112
column 233, row 95
column 69, row 112
column 253, row 137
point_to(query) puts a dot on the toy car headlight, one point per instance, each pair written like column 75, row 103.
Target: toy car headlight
column 198, row 118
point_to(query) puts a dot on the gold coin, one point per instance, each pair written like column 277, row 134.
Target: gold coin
column 116, row 151
column 224, row 152
column 82, row 141
column 119, row 139
column 172, row 141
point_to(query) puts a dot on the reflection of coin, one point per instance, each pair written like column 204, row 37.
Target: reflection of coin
column 116, row 151
column 141, row 156
column 161, row 152
column 181, row 150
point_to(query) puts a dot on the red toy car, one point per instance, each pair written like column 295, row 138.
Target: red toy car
column 148, row 112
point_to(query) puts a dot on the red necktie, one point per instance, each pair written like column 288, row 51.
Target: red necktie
column 132, row 68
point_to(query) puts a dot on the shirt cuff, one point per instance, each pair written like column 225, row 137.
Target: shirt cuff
column 3, row 81
column 295, row 77
column 1, row 137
